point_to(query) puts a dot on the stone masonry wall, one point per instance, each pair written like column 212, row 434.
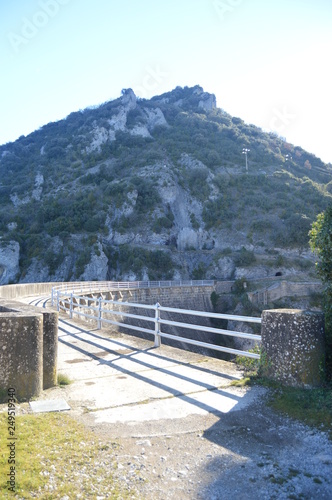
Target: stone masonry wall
column 284, row 289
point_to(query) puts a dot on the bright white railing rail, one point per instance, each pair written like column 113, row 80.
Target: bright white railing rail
column 100, row 310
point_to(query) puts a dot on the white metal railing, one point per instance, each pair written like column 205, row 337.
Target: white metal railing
column 100, row 310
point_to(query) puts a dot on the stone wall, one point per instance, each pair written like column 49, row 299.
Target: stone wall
column 284, row 289
column 192, row 297
column 28, row 348
column 224, row 286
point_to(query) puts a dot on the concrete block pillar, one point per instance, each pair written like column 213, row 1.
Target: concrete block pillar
column 21, row 353
column 50, row 348
column 293, row 346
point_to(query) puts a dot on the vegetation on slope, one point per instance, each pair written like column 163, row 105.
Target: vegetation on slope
column 321, row 244
column 74, row 183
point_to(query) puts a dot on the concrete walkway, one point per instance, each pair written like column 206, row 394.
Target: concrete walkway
column 119, row 378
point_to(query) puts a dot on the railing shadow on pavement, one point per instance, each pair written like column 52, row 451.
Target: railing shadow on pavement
column 151, row 351
column 138, row 376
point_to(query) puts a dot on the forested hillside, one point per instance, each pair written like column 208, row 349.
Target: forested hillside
column 154, row 189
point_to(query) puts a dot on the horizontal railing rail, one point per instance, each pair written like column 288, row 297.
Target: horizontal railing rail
column 99, row 309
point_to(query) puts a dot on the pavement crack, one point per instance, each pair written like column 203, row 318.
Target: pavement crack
column 153, row 400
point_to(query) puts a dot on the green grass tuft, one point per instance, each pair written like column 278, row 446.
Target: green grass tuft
column 63, row 379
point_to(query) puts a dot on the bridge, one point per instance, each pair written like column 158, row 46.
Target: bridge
column 121, row 380
column 118, row 378
column 120, row 305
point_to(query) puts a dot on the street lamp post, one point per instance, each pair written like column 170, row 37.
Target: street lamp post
column 245, row 151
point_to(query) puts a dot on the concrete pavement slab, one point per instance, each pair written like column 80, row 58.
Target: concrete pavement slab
column 180, row 407
column 49, row 405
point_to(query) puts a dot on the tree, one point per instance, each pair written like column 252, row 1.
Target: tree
column 321, row 244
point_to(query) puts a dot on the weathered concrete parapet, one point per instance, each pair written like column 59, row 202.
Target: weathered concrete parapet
column 21, row 352
column 293, row 346
column 28, row 348
column 50, row 348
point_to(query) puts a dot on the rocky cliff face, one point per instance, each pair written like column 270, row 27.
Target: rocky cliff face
column 9, row 261
column 150, row 118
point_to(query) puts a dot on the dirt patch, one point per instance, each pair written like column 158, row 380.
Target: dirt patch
column 248, row 454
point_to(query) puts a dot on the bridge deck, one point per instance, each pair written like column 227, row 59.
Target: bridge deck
column 125, row 379
column 119, row 378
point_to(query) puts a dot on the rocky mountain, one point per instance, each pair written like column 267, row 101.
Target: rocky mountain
column 156, row 189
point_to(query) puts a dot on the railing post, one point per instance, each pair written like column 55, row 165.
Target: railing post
column 99, row 314
column 58, row 300
column 71, row 306
column 157, row 338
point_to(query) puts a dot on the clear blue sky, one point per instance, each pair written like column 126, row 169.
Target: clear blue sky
column 266, row 61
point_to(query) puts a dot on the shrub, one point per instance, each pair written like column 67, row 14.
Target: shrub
column 244, row 257
column 199, row 272
column 321, row 244
column 162, row 223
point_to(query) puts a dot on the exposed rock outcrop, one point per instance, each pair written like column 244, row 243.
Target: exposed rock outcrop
column 9, row 261
column 100, row 136
column 155, row 118
column 128, row 99
column 97, row 268
column 36, row 193
column 226, row 268
column 38, row 272
column 118, row 122
column 208, row 101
